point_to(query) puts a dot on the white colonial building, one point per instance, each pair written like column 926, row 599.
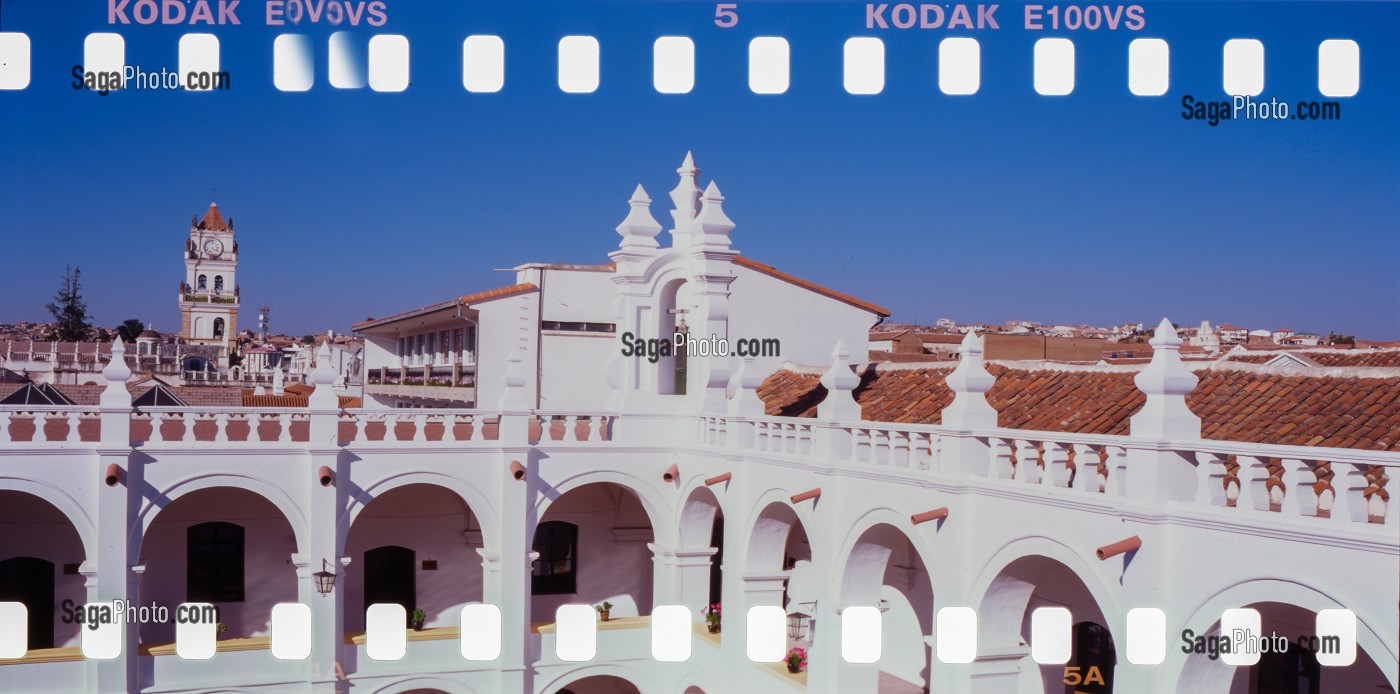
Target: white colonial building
column 920, row 493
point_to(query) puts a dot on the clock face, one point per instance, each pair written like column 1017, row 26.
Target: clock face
column 213, row 247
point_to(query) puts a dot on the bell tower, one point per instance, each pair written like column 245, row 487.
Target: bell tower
column 209, row 293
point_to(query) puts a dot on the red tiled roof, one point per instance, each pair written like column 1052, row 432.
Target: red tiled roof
column 1356, row 357
column 1247, row 406
column 774, row 272
column 501, row 292
column 213, row 221
column 288, row 399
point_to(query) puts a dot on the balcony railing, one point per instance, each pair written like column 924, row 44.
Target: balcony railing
column 1342, row 486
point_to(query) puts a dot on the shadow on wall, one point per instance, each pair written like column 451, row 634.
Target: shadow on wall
column 266, row 542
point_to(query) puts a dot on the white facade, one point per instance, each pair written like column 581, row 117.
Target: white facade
column 571, row 324
column 615, row 497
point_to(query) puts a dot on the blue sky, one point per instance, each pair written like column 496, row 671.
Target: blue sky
column 1099, row 207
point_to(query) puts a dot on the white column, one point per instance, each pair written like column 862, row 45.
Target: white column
column 323, row 551
column 682, row 577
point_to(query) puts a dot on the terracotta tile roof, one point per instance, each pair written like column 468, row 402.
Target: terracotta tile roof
column 881, row 356
column 289, row 400
column 886, row 335
column 774, row 272
column 1389, row 357
column 213, row 221
column 501, row 292
column 1234, row 405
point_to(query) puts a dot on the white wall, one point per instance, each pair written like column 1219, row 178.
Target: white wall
column 506, row 324
column 573, row 368
column 432, row 522
column 617, row 571
column 809, row 324
column 268, row 574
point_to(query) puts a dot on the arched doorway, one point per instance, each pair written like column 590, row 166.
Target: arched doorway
column 600, row 684
column 884, row 569
column 701, row 529
column 678, row 312
column 227, row 546
column 1004, row 621
column 40, row 554
column 1294, row 670
column 592, row 547
column 414, row 545
column 779, row 571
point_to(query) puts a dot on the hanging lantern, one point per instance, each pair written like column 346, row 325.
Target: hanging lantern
column 797, row 625
column 325, row 580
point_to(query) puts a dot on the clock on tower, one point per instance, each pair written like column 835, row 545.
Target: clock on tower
column 209, row 296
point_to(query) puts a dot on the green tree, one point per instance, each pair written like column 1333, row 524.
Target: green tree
column 69, row 310
column 130, row 329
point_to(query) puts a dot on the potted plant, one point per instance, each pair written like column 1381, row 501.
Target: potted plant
column 796, row 659
column 417, row 619
column 604, row 610
column 712, row 618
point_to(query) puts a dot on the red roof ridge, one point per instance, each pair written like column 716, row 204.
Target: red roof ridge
column 213, row 221
column 490, row 294
column 832, row 293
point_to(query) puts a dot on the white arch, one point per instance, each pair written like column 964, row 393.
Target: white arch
column 639, row 679
column 471, row 496
column 75, row 513
column 767, row 537
column 901, row 523
column 212, row 480
column 1189, row 669
column 416, row 682
column 1041, row 546
column 697, row 516
column 655, row 506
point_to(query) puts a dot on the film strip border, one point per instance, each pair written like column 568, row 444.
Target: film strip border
column 575, row 632
column 674, row 59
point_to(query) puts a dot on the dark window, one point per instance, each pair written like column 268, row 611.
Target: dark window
column 1293, row 671
column 717, row 561
column 215, row 563
column 389, row 578
column 30, row 580
column 218, row 283
column 555, row 572
column 218, row 327
column 577, row 327
column 203, row 282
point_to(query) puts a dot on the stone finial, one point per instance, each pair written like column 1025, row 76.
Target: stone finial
column 746, row 381
column 684, row 197
column 714, row 223
column 116, row 373
column 639, row 229
column 323, row 379
column 840, row 382
column 970, row 382
column 687, row 192
column 513, row 395
column 1166, row 382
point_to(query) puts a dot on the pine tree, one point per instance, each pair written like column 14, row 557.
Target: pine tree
column 69, row 310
